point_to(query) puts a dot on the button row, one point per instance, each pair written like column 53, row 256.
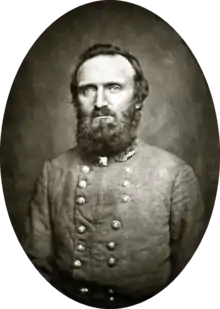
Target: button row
column 82, row 184
column 115, row 226
column 85, row 290
column 81, row 200
column 110, row 245
column 111, row 262
column 86, row 169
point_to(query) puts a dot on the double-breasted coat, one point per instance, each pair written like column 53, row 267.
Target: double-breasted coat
column 111, row 232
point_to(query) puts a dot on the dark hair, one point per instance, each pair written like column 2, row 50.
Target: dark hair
column 141, row 84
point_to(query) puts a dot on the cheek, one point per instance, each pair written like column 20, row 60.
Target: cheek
column 121, row 102
column 85, row 105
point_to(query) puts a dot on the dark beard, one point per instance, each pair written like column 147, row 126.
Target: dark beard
column 98, row 137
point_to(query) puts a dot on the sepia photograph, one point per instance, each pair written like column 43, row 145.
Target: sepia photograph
column 109, row 154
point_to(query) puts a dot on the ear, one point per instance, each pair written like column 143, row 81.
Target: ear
column 145, row 87
column 141, row 92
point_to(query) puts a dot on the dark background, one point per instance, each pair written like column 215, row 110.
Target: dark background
column 25, row 112
column 39, row 121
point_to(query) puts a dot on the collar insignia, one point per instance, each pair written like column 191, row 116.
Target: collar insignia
column 103, row 161
column 121, row 157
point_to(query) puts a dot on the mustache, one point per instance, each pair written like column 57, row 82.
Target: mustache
column 103, row 111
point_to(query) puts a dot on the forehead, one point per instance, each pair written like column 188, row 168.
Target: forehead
column 105, row 68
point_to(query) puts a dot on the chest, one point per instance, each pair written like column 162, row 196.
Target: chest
column 137, row 197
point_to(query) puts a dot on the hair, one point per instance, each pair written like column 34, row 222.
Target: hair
column 141, row 90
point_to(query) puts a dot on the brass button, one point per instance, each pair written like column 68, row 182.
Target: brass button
column 111, row 261
column 77, row 264
column 125, row 183
column 85, row 169
column 128, row 170
column 84, row 290
column 125, row 198
column 111, row 298
column 111, row 245
column 82, row 184
column 81, row 247
column 81, row 229
column 80, row 200
column 116, row 225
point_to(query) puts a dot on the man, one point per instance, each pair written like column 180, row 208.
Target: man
column 112, row 221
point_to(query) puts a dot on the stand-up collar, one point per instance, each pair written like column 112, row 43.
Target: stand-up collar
column 120, row 157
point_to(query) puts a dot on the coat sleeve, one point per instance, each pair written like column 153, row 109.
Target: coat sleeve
column 38, row 233
column 186, row 219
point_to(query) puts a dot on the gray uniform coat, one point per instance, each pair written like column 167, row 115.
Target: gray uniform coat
column 115, row 234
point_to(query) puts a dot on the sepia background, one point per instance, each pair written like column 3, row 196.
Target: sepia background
column 39, row 120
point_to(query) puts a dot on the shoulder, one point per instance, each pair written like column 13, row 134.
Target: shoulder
column 161, row 161
column 158, row 156
column 66, row 160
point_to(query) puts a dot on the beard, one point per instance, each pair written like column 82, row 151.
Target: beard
column 102, row 134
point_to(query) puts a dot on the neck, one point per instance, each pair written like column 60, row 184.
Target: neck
column 107, row 151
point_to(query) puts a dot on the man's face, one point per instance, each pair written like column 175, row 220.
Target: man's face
column 107, row 120
column 105, row 88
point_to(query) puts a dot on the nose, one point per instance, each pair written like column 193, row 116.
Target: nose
column 100, row 99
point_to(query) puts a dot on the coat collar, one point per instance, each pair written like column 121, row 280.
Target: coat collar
column 121, row 157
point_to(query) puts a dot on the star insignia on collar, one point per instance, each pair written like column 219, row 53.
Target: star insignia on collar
column 103, row 161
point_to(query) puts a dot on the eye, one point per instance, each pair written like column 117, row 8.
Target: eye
column 87, row 90
column 114, row 88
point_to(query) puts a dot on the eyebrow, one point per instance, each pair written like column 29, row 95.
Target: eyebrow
column 104, row 84
column 86, row 85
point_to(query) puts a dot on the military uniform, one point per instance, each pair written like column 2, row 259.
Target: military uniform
column 112, row 232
